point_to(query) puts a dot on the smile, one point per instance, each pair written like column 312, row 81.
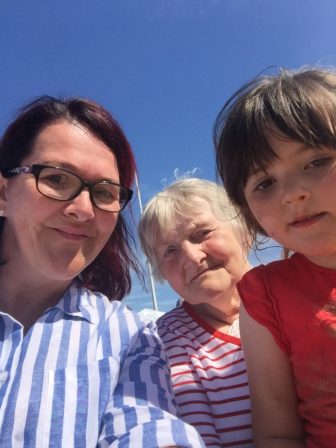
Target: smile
column 306, row 221
column 198, row 275
column 204, row 271
column 71, row 234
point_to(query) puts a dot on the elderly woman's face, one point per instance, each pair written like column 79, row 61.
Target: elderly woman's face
column 202, row 259
column 49, row 238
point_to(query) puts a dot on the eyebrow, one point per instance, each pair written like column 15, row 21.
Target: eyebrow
column 165, row 243
column 301, row 148
column 256, row 172
column 71, row 167
column 59, row 164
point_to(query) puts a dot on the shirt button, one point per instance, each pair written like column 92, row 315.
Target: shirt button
column 3, row 376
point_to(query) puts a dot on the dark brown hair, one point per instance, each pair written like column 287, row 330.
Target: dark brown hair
column 109, row 273
column 300, row 105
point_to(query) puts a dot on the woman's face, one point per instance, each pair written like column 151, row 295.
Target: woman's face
column 202, row 259
column 50, row 239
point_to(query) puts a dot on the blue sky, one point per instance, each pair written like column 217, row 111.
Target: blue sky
column 164, row 68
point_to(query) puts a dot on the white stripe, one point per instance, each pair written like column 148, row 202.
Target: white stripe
column 26, row 381
column 71, row 385
column 93, row 399
column 50, row 364
column 82, row 394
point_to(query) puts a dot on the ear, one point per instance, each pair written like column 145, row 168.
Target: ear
column 3, row 195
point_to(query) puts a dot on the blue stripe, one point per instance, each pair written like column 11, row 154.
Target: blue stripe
column 62, row 357
column 155, row 370
column 2, row 330
column 179, row 433
column 57, row 409
column 124, row 336
column 36, row 390
column 7, row 425
column 111, row 334
column 106, row 339
column 149, row 438
column 82, row 401
column 104, row 387
column 16, row 339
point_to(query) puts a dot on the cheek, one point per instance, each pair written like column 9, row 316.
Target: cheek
column 267, row 216
column 253, row 206
column 260, row 212
column 24, row 217
column 172, row 275
column 24, row 203
column 107, row 225
column 223, row 247
column 217, row 248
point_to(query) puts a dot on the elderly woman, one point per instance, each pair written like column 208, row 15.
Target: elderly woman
column 193, row 239
column 76, row 370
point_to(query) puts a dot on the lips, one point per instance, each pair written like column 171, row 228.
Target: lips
column 307, row 220
column 73, row 234
column 200, row 273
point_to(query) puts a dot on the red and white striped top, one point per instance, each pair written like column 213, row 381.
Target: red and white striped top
column 209, row 377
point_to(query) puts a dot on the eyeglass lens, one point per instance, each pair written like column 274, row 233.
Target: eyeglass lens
column 63, row 185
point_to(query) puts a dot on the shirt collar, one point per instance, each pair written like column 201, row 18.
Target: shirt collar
column 79, row 302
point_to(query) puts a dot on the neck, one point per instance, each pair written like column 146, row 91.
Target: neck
column 220, row 316
column 25, row 299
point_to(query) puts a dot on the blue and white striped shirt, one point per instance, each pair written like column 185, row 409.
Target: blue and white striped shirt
column 88, row 373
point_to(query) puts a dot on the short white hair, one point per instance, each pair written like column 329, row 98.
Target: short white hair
column 182, row 198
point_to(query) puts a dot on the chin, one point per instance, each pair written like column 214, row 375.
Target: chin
column 67, row 272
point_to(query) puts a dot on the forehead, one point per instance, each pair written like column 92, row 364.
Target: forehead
column 72, row 145
column 279, row 146
column 177, row 224
column 278, row 141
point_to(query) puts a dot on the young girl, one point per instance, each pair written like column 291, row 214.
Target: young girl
column 276, row 154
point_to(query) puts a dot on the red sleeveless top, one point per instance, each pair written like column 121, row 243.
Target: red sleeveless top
column 296, row 301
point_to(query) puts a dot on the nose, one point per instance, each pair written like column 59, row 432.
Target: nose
column 81, row 207
column 193, row 253
column 295, row 190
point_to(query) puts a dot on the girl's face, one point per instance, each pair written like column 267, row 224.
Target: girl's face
column 51, row 240
column 294, row 199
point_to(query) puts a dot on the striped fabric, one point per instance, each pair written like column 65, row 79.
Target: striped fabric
column 89, row 373
column 209, row 378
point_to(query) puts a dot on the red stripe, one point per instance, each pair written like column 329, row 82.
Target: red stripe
column 206, row 379
column 191, row 347
column 205, row 369
column 224, row 415
column 215, row 403
column 207, row 390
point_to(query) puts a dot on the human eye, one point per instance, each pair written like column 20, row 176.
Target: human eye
column 56, row 178
column 264, row 185
column 202, row 234
column 103, row 194
column 169, row 252
column 106, row 193
column 318, row 162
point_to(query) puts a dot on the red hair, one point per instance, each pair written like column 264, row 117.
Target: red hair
column 109, row 273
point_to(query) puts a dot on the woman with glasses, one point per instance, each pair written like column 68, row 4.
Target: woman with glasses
column 77, row 369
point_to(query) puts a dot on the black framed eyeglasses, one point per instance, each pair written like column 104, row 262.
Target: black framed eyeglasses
column 64, row 185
